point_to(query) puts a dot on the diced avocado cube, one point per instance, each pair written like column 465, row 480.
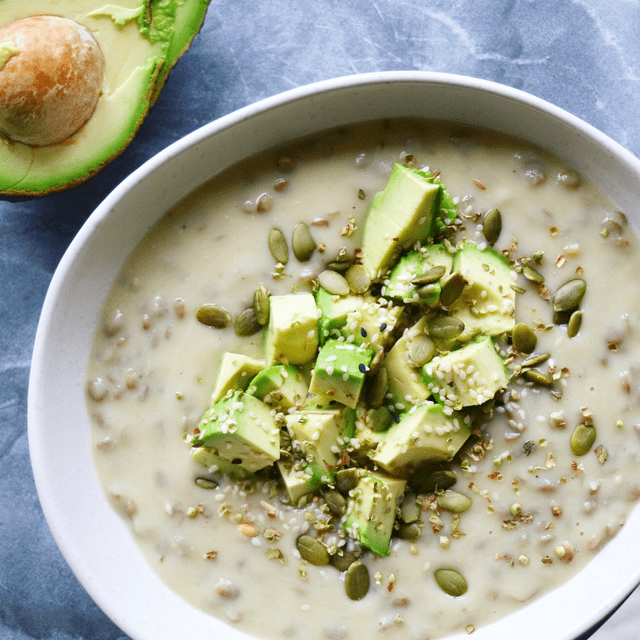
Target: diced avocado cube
column 399, row 285
column 371, row 511
column 217, row 464
column 317, row 440
column 487, row 304
column 236, row 372
column 468, row 376
column 281, row 386
column 399, row 216
column 339, row 371
column 405, row 385
column 361, row 319
column 296, row 481
column 292, row 335
column 426, row 433
column 240, row 429
column 346, row 415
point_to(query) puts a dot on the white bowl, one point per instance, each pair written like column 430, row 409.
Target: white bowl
column 93, row 539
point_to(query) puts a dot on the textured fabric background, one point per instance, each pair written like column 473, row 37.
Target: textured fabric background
column 581, row 55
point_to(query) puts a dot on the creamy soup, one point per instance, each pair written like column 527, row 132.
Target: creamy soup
column 539, row 511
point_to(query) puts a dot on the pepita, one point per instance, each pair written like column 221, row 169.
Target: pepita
column 451, row 582
column 347, row 479
column 426, row 290
column 409, row 531
column 569, row 295
column 358, row 278
column 421, row 350
column 426, row 480
column 379, row 419
column 574, row 324
column 444, row 327
column 534, row 361
column 582, row 439
column 333, row 282
column 356, row 581
column 432, row 275
column 261, row 304
column 454, row 501
column 537, row 377
column 278, row 246
column 312, row 550
column 302, row 243
column 247, row 323
column 206, row 483
column 341, row 266
column 492, row 226
column 342, row 560
column 452, row 288
column 213, row 315
column 410, row 509
column 524, row 338
column 335, row 501
column 532, row 275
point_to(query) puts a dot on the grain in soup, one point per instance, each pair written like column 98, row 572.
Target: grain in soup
column 547, row 477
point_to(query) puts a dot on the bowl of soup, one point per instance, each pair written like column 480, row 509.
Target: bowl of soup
column 358, row 359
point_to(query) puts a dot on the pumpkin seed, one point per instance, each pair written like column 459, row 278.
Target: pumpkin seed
column 537, row 377
column 347, row 479
column 358, row 278
column 410, row 510
column 409, row 531
column 426, row 290
column 247, row 323
column 533, row 361
column 430, row 276
column 356, row 581
column 213, row 315
column 261, row 304
column 421, row 350
column 454, row 501
column 302, row 243
column 427, row 480
column 312, row 550
column 574, row 324
column 206, row 483
column 379, row 419
column 524, row 338
column 278, row 246
column 561, row 317
column 334, row 283
column 532, row 275
column 569, row 295
column 378, row 388
column 492, row 226
column 342, row 560
column 582, row 439
column 335, row 501
column 445, row 327
column 451, row 582
column 452, row 288
column 341, row 266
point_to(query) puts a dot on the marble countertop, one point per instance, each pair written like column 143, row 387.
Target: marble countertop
column 581, row 55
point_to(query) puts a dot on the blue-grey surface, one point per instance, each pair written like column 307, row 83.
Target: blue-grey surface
column 582, row 55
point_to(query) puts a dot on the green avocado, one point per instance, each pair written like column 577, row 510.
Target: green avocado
column 141, row 40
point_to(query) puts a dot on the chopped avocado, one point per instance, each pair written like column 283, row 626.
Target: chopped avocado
column 346, row 415
column 487, row 304
column 426, row 433
column 241, row 429
column 281, row 386
column 404, row 379
column 399, row 285
column 317, row 441
column 339, row 371
column 468, row 376
column 371, row 511
column 361, row 319
column 402, row 214
column 236, row 372
column 292, row 335
column 296, row 482
column 217, row 464
column 140, row 42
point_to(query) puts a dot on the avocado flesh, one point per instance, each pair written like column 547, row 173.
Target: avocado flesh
column 137, row 63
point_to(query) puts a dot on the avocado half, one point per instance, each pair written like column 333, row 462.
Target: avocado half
column 141, row 40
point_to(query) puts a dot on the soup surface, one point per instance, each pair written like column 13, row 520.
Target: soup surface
column 539, row 512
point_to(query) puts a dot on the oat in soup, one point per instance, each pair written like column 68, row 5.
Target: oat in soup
column 417, row 439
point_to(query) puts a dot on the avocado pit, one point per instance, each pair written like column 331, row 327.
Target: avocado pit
column 51, row 72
